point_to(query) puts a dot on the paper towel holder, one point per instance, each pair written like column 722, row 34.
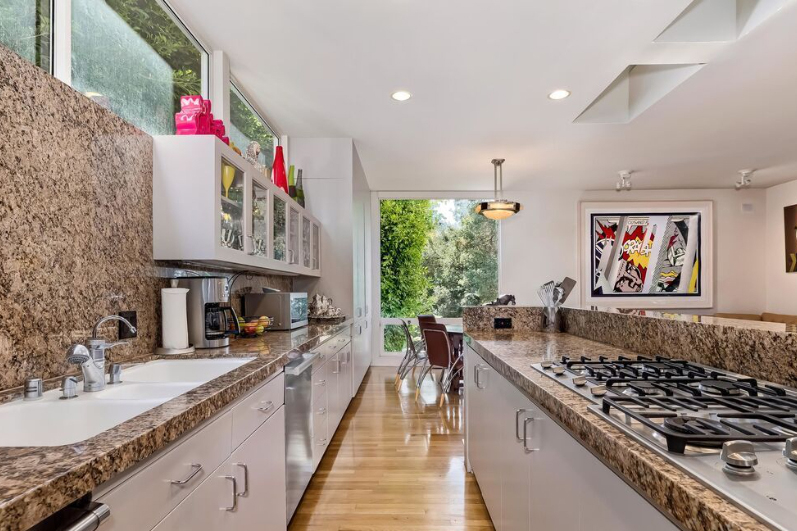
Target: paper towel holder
column 160, row 351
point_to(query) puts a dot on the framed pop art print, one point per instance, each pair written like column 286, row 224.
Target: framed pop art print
column 647, row 254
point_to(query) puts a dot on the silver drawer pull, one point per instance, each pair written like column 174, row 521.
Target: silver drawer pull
column 268, row 407
column 196, row 469
column 519, row 412
column 234, row 505
column 246, row 479
column 322, row 411
column 321, row 382
column 323, row 442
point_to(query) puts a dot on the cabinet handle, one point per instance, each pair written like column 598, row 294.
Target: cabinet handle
column 323, row 442
column 519, row 412
column 321, row 382
column 234, row 505
column 322, row 411
column 196, row 469
column 269, row 406
column 477, row 373
column 526, row 436
column 246, row 479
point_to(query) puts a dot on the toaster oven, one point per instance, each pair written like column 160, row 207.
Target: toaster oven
column 287, row 310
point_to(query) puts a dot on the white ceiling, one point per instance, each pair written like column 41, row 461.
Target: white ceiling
column 480, row 73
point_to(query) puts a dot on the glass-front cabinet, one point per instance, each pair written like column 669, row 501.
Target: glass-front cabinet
column 306, row 243
column 260, row 220
column 212, row 206
column 316, row 247
column 232, row 206
column 293, row 235
column 278, row 223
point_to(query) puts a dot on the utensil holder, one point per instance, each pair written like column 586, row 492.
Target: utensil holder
column 551, row 319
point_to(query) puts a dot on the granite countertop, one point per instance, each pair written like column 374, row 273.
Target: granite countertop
column 35, row 482
column 682, row 498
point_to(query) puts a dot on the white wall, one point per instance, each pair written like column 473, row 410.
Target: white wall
column 781, row 287
column 541, row 243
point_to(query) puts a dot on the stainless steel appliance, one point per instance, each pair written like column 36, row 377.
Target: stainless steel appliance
column 298, row 427
column 287, row 310
column 735, row 434
column 211, row 318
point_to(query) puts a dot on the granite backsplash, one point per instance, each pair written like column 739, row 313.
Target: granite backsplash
column 76, row 220
column 766, row 351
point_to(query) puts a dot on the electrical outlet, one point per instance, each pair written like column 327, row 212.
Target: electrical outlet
column 124, row 332
column 500, row 323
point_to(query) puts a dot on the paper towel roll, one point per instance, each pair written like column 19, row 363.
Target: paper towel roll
column 174, row 317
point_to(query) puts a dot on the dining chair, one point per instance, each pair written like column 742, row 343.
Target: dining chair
column 439, row 355
column 414, row 354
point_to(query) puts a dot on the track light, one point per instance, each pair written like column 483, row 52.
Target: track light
column 625, row 181
column 745, row 179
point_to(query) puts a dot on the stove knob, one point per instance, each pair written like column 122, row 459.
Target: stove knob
column 580, row 380
column 739, row 458
column 790, row 451
column 558, row 370
column 546, row 364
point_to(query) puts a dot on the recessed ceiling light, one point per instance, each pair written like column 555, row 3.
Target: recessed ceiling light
column 559, row 94
column 401, row 95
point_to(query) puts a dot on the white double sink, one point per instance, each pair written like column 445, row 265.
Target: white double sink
column 50, row 421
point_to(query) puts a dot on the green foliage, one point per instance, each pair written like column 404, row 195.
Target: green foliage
column 405, row 226
column 246, row 126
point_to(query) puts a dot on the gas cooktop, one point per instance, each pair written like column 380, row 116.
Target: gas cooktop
column 734, row 433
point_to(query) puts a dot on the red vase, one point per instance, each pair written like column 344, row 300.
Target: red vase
column 278, row 171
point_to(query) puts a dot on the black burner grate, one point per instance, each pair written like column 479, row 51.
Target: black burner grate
column 753, row 418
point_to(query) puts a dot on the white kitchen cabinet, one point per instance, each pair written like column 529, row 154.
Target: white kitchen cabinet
column 345, row 380
column 212, row 206
column 361, row 352
column 541, row 478
column 334, row 406
column 186, row 485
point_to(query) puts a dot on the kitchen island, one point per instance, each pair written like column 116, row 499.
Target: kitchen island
column 682, row 499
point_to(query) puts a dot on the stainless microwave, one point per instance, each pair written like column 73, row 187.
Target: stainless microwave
column 288, row 310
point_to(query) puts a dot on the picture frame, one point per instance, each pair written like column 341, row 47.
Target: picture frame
column 623, row 264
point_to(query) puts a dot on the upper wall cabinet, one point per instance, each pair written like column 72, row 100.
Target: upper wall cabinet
column 211, row 206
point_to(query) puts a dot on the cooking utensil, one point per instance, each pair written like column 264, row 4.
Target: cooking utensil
column 567, row 286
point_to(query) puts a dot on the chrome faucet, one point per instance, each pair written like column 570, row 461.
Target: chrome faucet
column 91, row 356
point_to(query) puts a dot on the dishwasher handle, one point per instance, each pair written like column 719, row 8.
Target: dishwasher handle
column 92, row 516
column 295, row 370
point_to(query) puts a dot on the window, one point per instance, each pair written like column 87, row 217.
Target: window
column 247, row 126
column 132, row 57
column 436, row 257
column 25, row 28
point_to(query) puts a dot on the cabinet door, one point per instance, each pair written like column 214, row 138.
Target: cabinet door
column 555, row 478
column 293, row 235
column 259, row 467
column 344, row 381
column 259, row 220
column 231, row 196
column 361, row 354
column 333, row 387
column 515, row 457
column 279, row 216
column 316, row 247
column 484, row 403
column 306, row 243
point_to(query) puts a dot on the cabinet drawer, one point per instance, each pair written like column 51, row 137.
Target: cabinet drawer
column 256, row 408
column 331, row 346
column 321, row 379
column 148, row 496
column 320, row 438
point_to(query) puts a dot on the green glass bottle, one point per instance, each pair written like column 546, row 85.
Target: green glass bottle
column 291, row 183
column 299, row 189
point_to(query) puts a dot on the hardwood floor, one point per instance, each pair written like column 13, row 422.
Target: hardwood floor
column 394, row 463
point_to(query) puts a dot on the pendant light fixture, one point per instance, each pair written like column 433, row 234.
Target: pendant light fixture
column 499, row 208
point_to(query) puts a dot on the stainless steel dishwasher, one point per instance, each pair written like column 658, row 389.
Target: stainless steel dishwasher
column 298, row 427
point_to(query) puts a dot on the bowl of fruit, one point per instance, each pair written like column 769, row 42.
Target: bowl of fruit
column 253, row 326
